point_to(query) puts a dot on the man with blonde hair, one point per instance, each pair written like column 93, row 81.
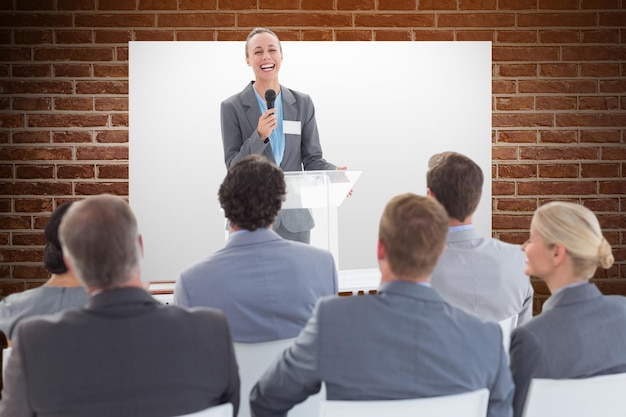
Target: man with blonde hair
column 403, row 342
column 124, row 354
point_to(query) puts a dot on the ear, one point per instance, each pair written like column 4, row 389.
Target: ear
column 559, row 254
column 140, row 239
column 68, row 264
column 380, row 251
column 430, row 194
column 248, row 61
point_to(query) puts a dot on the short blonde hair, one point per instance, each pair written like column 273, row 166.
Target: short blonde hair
column 577, row 228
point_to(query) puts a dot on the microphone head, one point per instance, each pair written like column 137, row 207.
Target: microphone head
column 270, row 97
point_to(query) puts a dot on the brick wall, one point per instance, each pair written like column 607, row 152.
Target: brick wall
column 559, row 98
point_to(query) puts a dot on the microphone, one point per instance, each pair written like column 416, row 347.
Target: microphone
column 270, row 97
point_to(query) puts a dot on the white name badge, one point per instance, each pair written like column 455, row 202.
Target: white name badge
column 292, row 127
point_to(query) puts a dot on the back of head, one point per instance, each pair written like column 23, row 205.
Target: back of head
column 578, row 230
column 457, row 183
column 413, row 230
column 100, row 237
column 52, row 252
column 252, row 193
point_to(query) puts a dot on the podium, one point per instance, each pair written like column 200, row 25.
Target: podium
column 321, row 193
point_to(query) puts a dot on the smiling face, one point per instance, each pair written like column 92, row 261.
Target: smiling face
column 539, row 256
column 264, row 55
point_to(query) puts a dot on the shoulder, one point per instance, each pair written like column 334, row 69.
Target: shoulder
column 236, row 98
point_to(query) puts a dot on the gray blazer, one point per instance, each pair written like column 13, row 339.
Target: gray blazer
column 239, row 116
column 579, row 334
column 484, row 276
column 266, row 286
column 124, row 355
column 403, row 342
column 38, row 301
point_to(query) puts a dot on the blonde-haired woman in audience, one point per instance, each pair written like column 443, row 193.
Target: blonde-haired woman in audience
column 580, row 333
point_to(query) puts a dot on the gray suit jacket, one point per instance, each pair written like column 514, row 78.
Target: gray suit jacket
column 484, row 276
column 239, row 116
column 403, row 342
column 123, row 355
column 266, row 286
column 579, row 334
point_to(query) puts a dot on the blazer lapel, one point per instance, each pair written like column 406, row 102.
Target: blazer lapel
column 290, row 112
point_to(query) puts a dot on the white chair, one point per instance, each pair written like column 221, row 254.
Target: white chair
column 507, row 326
column 253, row 359
column 469, row 404
column 222, row 410
column 599, row 396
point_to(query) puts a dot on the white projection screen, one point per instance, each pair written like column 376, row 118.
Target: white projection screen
column 382, row 108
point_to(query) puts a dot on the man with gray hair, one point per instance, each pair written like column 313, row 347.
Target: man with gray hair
column 124, row 354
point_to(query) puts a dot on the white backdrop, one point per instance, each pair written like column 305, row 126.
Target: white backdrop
column 382, row 108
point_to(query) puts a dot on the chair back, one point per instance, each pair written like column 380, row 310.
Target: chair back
column 469, row 404
column 222, row 410
column 507, row 326
column 253, row 359
column 598, row 396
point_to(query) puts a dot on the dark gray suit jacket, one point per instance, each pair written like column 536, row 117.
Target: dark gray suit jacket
column 484, row 276
column 403, row 342
column 266, row 286
column 124, row 355
column 579, row 334
column 239, row 116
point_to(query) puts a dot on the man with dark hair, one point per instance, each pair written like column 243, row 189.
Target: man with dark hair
column 483, row 276
column 265, row 285
column 403, row 342
column 124, row 354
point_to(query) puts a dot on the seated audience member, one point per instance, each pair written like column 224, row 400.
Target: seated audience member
column 60, row 292
column 481, row 275
column 580, row 332
column 403, row 342
column 124, row 354
column 266, row 286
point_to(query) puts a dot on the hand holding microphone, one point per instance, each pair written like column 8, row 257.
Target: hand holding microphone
column 268, row 121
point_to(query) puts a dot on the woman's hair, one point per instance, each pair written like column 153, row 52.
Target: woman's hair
column 52, row 252
column 578, row 229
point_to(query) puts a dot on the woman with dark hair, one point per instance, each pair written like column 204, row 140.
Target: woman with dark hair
column 60, row 292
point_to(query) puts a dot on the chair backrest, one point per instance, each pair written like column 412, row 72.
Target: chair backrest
column 469, row 404
column 598, row 396
column 222, row 410
column 253, row 359
column 507, row 326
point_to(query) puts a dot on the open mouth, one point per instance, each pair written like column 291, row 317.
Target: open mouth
column 267, row 67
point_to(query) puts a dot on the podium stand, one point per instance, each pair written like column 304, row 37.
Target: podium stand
column 321, row 193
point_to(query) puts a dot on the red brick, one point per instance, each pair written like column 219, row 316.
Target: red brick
column 517, row 70
column 119, row 120
column 31, row 137
column 34, row 172
column 558, row 70
column 15, row 222
column 392, row 20
column 30, row 272
column 101, row 153
column 67, row 120
column 515, row 103
column 115, row 20
column 558, row 171
column 600, row 170
column 600, row 136
column 113, row 172
column 590, row 120
column 116, row 5
column 516, row 204
column 157, row 4
column 392, row 35
column 558, row 4
column 576, row 19
column 32, row 103
column 72, row 70
column 237, row 5
column 510, row 221
column 545, row 153
column 71, row 137
column 76, row 5
column 37, row 188
column 36, row 87
column 34, row 37
column 613, row 187
column 522, row 119
column 517, row 36
column 102, row 87
column 559, row 36
column 113, row 36
column 460, row 20
column 21, row 255
column 37, row 70
column 517, row 136
column 598, row 103
column 599, row 70
column 199, row 4
column 499, row 188
column 437, row 5
column 517, row 4
column 556, row 188
column 397, row 5
column 612, row 221
column 599, row 4
column 14, row 54
column 8, row 121
column 612, row 19
column 594, row 53
column 38, row 20
column 73, row 103
column 556, row 103
column 6, row 172
column 75, row 171
column 93, row 188
column 614, row 153
column 33, row 205
column 122, row 54
column 170, row 35
column 503, row 87
column 517, row 171
column 601, row 204
column 73, row 54
column 111, row 103
column 28, row 239
column 317, row 4
column 557, row 86
column 525, row 53
column 478, row 5
column 476, row 35
column 613, row 86
column 204, row 20
column 29, row 153
column 504, row 153
column 600, row 36
column 353, row 35
column 73, row 36
column 558, row 136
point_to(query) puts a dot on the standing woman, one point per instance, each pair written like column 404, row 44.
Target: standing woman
column 580, row 333
column 287, row 135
